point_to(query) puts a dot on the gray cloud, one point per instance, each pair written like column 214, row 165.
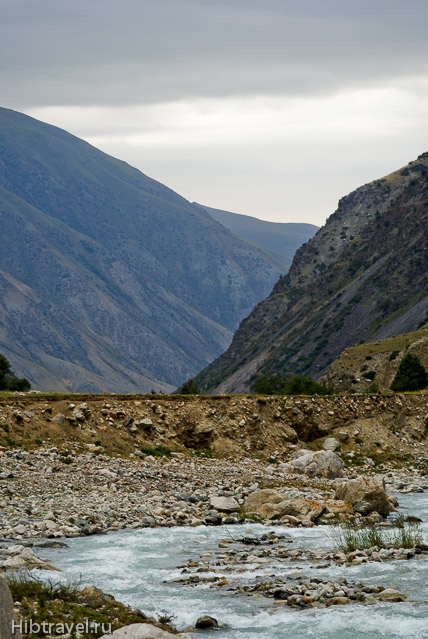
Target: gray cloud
column 274, row 108
column 137, row 51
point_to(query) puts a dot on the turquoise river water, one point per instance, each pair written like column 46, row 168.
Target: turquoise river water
column 133, row 566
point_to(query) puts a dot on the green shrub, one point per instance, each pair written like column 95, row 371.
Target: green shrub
column 394, row 355
column 188, row 388
column 370, row 375
column 8, row 379
column 352, row 536
column 295, row 385
column 411, row 375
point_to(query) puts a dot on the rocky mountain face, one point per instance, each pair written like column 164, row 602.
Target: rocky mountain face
column 363, row 277
column 280, row 240
column 109, row 281
column 360, row 367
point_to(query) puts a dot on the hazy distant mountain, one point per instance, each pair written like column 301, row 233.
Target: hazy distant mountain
column 362, row 278
column 108, row 279
column 281, row 240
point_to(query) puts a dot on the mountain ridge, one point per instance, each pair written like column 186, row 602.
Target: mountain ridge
column 339, row 289
column 110, row 281
column 279, row 239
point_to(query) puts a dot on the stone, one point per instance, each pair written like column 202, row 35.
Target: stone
column 342, row 436
column 7, row 615
column 257, row 500
column 272, row 504
column 370, row 491
column 322, row 463
column 143, row 631
column 338, row 601
column 331, row 443
column 206, row 622
column 225, row 504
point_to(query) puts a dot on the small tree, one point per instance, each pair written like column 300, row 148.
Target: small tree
column 8, row 379
column 268, row 385
column 189, row 388
column 411, row 375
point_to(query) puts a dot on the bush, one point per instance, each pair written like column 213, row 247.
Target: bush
column 8, row 379
column 353, row 536
column 370, row 375
column 188, row 388
column 268, row 385
column 295, row 385
column 411, row 375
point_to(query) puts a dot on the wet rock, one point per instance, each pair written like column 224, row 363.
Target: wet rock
column 206, row 622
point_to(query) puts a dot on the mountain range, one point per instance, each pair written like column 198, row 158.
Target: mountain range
column 363, row 277
column 110, row 281
column 279, row 239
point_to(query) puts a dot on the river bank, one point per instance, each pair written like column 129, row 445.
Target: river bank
column 52, row 493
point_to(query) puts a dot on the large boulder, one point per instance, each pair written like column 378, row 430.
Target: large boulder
column 225, row 504
column 22, row 558
column 143, row 631
column 7, row 616
column 322, row 463
column 365, row 495
column 271, row 504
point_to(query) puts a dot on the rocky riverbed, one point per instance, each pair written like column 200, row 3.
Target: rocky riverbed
column 56, row 493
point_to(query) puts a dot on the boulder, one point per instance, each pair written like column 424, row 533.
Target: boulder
column 322, row 463
column 206, row 622
column 331, row 443
column 261, row 502
column 365, row 495
column 272, row 504
column 143, row 631
column 7, row 615
column 21, row 558
column 225, row 504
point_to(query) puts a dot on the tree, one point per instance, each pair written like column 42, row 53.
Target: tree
column 189, row 388
column 268, row 385
column 411, row 375
column 295, row 385
column 8, row 379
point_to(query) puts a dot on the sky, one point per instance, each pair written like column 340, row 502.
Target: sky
column 269, row 108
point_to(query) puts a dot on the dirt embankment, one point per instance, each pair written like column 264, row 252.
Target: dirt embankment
column 223, row 425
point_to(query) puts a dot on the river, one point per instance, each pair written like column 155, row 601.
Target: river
column 133, row 566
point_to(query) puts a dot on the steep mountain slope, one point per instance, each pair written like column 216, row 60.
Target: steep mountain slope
column 363, row 277
column 281, row 240
column 358, row 367
column 108, row 279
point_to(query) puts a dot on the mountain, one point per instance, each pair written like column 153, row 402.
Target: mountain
column 363, row 277
column 280, row 240
column 110, row 281
column 358, row 367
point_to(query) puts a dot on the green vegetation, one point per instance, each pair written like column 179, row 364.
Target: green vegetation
column 159, row 451
column 411, row 375
column 60, row 604
column 295, row 385
column 352, row 536
column 188, row 388
column 8, row 379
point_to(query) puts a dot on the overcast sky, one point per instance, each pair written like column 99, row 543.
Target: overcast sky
column 270, row 108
